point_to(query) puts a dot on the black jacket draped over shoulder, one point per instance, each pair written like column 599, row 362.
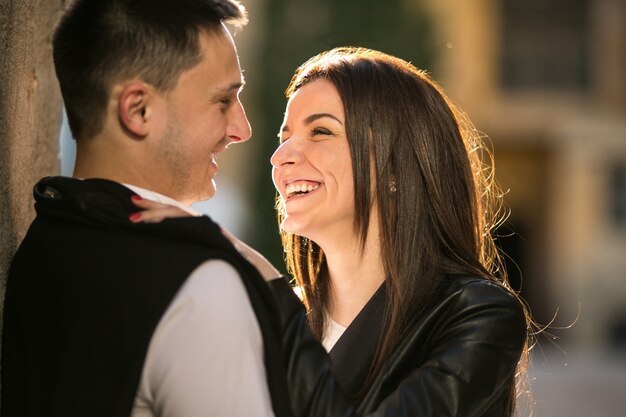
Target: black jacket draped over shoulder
column 458, row 359
column 86, row 290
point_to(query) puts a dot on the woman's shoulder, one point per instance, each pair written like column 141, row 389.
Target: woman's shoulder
column 478, row 290
column 475, row 300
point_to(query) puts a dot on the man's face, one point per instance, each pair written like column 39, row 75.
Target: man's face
column 204, row 115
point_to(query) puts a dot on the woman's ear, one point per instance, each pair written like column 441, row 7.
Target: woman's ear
column 132, row 108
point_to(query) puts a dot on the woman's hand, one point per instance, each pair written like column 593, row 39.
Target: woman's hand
column 155, row 212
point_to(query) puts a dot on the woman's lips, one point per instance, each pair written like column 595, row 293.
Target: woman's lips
column 300, row 187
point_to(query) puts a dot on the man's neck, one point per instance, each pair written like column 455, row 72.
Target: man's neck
column 123, row 167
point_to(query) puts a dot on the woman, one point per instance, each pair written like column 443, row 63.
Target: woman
column 386, row 211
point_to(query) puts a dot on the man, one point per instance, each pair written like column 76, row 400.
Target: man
column 106, row 317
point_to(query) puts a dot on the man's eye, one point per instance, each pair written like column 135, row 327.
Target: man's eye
column 226, row 101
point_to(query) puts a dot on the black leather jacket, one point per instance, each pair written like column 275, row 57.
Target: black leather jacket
column 458, row 360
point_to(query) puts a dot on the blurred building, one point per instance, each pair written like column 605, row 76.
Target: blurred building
column 546, row 80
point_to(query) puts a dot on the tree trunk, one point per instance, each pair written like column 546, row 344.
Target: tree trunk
column 30, row 113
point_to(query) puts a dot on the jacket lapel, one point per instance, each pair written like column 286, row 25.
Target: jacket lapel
column 354, row 352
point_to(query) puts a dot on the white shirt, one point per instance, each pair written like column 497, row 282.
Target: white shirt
column 205, row 357
column 332, row 333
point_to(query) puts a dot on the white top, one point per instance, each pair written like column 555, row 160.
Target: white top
column 160, row 198
column 205, row 357
column 332, row 333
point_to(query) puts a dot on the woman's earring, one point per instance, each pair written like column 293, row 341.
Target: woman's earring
column 392, row 186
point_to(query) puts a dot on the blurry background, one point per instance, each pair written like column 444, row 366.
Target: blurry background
column 546, row 81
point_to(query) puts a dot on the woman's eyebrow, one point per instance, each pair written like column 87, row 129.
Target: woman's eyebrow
column 310, row 119
column 313, row 117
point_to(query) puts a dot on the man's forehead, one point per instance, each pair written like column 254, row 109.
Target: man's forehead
column 217, row 39
column 220, row 59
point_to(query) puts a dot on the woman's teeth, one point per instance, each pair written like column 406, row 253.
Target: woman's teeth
column 300, row 188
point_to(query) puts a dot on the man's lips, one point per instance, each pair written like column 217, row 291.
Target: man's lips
column 221, row 147
column 218, row 150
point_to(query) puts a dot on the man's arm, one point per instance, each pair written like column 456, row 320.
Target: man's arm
column 206, row 355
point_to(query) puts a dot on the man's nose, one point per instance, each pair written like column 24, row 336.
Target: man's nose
column 238, row 125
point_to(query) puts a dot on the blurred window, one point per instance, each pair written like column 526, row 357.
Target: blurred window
column 544, row 45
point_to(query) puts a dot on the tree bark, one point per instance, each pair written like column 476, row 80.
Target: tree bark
column 30, row 113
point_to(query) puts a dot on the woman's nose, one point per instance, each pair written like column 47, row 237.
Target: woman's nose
column 286, row 153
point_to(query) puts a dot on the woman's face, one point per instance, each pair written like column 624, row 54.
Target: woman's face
column 312, row 169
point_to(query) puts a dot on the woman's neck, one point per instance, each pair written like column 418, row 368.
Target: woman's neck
column 354, row 274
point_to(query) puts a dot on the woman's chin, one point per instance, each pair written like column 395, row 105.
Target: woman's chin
column 293, row 227
column 287, row 227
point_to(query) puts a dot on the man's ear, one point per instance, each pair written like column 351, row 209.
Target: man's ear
column 132, row 108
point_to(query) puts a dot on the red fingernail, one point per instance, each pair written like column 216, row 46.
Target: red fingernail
column 134, row 216
column 135, row 198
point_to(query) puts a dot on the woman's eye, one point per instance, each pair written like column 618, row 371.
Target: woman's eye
column 321, row 131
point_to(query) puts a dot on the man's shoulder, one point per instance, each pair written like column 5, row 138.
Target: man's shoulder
column 214, row 282
column 62, row 187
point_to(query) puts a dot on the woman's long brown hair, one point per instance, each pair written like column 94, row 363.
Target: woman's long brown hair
column 439, row 220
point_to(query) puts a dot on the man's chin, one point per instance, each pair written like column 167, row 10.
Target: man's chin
column 208, row 193
column 200, row 196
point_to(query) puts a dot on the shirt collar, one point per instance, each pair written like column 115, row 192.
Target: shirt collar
column 160, row 198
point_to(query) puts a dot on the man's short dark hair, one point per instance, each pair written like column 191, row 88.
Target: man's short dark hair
column 100, row 42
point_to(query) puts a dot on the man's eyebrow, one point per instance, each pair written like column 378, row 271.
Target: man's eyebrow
column 234, row 86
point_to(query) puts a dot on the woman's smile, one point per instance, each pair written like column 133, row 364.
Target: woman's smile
column 300, row 188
